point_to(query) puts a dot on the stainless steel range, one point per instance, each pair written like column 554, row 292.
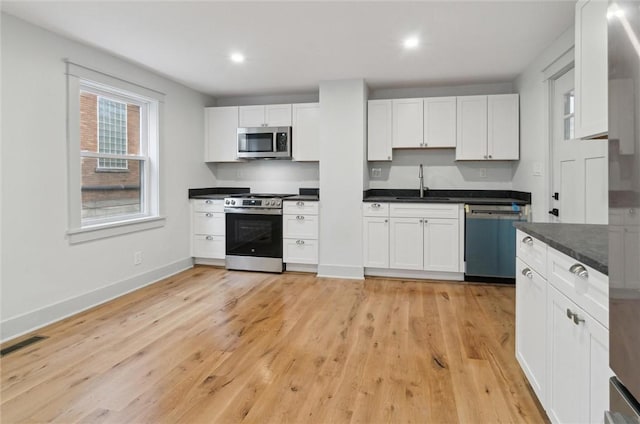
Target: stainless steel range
column 254, row 232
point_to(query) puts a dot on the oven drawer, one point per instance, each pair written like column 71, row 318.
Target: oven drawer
column 375, row 209
column 208, row 223
column 208, row 205
column 424, row 210
column 300, row 251
column 532, row 251
column 300, row 226
column 300, row 207
column 207, row 246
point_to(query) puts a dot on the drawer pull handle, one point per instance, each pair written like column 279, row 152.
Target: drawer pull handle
column 209, row 238
column 208, row 202
column 528, row 273
column 300, row 203
column 208, row 215
column 528, row 240
column 299, row 242
column 579, row 270
column 386, row 220
column 574, row 317
column 300, row 217
column 375, row 205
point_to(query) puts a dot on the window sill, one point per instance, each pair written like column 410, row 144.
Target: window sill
column 95, row 232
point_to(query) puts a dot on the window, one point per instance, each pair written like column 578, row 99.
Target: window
column 569, row 115
column 113, row 155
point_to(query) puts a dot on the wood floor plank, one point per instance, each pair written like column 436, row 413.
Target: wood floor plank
column 212, row 345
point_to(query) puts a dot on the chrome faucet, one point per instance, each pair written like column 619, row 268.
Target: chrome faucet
column 421, row 179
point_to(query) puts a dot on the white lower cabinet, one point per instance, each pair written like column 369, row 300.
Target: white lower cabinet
column 413, row 236
column 560, row 345
column 208, row 229
column 300, row 232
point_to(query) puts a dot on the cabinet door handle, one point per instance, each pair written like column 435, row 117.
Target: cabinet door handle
column 485, row 156
column 579, row 270
column 577, row 320
column 389, row 157
column 528, row 240
column 299, row 203
column 208, row 202
column 208, row 215
column 570, row 314
column 421, row 221
column 528, row 273
column 300, row 217
column 426, row 144
column 209, row 238
column 386, row 220
column 490, row 156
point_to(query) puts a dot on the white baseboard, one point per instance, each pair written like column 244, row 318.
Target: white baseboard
column 302, row 268
column 30, row 321
column 341, row 271
column 414, row 275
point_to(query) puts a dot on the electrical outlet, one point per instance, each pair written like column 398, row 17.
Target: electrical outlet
column 483, row 172
column 137, row 258
column 537, row 169
column 376, row 172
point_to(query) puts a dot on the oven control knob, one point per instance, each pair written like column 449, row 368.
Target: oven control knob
column 233, row 202
column 268, row 203
column 226, row 202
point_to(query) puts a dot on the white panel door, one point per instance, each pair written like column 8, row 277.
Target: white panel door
column 406, row 243
column 471, row 128
column 221, row 134
column 379, row 130
column 591, row 75
column 503, row 127
column 440, row 122
column 252, row 116
column 278, row 115
column 531, row 328
column 407, row 123
column 376, row 242
column 441, row 245
column 306, row 128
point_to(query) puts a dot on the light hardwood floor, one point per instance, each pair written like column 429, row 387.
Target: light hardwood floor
column 213, row 346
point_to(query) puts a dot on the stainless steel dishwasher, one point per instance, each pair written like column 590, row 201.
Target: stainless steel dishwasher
column 490, row 241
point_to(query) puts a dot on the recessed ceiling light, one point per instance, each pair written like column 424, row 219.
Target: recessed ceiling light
column 237, row 57
column 410, row 43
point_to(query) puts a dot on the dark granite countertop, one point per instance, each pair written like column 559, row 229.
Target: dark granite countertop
column 307, row 197
column 586, row 243
column 480, row 197
column 216, row 192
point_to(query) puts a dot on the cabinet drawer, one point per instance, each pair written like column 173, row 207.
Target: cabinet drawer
column 208, row 205
column 211, row 247
column 375, row 209
column 300, row 251
column 300, row 207
column 532, row 251
column 300, row 226
column 589, row 291
column 426, row 210
column 208, row 223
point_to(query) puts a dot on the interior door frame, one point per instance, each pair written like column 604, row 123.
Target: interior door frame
column 551, row 73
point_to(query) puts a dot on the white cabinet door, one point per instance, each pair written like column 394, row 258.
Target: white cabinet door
column 300, row 251
column 376, row 242
column 598, row 369
column 211, row 223
column 306, row 127
column 221, row 134
column 252, row 116
column 300, row 226
column 471, row 128
column 591, row 71
column 440, row 122
column 503, row 127
column 406, row 243
column 408, row 124
column 208, row 246
column 441, row 245
column 379, row 130
column 531, row 329
column 278, row 115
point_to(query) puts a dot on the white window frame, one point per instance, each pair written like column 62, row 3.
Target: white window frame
column 81, row 78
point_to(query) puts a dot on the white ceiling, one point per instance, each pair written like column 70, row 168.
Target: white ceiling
column 291, row 46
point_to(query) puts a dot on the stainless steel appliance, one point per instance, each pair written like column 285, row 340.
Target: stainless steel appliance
column 490, row 247
column 264, row 143
column 253, row 224
column 624, row 211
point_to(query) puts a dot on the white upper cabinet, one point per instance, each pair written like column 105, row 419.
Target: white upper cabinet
column 408, row 128
column 221, row 125
column 591, row 72
column 306, row 127
column 488, row 127
column 379, row 130
column 265, row 116
column 472, row 128
column 503, row 127
column 440, row 122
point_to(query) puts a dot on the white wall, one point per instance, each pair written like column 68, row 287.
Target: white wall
column 43, row 277
column 534, row 127
column 267, row 99
column 267, row 176
column 342, row 139
column 441, row 171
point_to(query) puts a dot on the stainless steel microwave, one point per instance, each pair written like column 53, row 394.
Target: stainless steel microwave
column 264, row 143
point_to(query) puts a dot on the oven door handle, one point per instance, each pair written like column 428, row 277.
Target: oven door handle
column 254, row 211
